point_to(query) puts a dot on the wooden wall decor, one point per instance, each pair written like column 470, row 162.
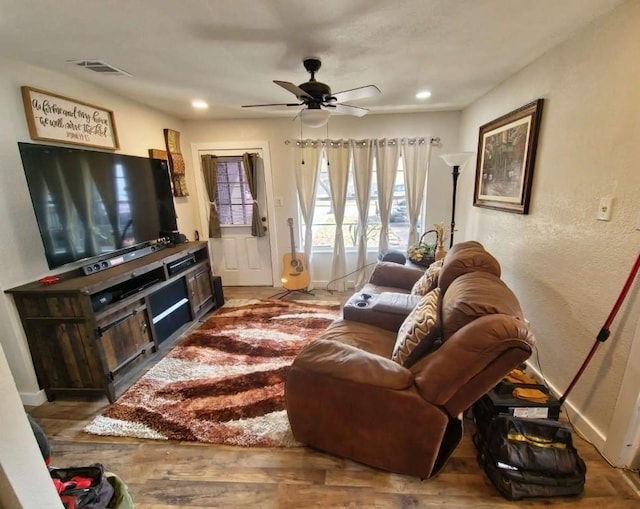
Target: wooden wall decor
column 155, row 153
column 176, row 163
column 53, row 117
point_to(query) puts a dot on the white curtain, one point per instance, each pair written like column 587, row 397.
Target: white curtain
column 338, row 168
column 362, row 177
column 416, row 156
column 387, row 155
column 307, row 159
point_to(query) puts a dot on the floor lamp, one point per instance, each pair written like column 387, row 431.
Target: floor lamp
column 456, row 161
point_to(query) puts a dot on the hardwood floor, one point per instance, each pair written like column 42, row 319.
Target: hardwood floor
column 168, row 475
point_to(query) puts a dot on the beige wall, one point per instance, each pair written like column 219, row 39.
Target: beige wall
column 566, row 267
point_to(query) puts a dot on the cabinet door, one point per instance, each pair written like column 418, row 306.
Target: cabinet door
column 200, row 290
column 64, row 354
column 124, row 337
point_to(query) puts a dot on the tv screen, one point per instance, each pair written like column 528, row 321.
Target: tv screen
column 90, row 204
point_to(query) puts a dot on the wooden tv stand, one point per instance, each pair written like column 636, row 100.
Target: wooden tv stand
column 97, row 333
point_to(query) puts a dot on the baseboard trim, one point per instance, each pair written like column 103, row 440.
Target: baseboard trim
column 579, row 421
column 322, row 285
column 33, row 398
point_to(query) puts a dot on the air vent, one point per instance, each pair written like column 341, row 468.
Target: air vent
column 99, row 67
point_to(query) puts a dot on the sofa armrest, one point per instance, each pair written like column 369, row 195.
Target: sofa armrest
column 346, row 362
column 395, row 275
column 472, row 361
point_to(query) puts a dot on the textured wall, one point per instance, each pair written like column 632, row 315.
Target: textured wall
column 567, row 267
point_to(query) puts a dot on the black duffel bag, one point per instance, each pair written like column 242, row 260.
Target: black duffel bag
column 531, row 458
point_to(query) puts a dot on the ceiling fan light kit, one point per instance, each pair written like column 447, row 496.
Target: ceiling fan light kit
column 314, row 118
column 318, row 100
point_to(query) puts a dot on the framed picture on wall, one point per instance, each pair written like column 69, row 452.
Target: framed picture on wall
column 53, row 117
column 506, row 158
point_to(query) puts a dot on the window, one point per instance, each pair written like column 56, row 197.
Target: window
column 324, row 223
column 233, row 195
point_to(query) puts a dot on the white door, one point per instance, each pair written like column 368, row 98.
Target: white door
column 239, row 258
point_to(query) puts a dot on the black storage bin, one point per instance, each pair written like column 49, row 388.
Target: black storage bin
column 500, row 401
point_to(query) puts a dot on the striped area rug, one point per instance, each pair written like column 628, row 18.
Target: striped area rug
column 224, row 382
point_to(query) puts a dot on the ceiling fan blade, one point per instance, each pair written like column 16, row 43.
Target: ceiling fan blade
column 356, row 93
column 274, row 104
column 294, row 89
column 347, row 109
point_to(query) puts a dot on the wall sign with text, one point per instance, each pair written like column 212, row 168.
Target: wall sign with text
column 53, row 117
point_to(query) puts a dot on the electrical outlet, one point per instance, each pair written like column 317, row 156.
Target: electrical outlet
column 604, row 209
column 278, row 201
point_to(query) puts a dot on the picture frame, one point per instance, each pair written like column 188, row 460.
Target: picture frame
column 53, row 117
column 506, row 158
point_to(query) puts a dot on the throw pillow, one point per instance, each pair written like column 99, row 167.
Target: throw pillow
column 419, row 334
column 428, row 281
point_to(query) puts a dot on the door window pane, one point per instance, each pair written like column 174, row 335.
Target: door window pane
column 233, row 196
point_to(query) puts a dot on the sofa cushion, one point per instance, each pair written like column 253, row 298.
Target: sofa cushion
column 364, row 336
column 428, row 281
column 464, row 258
column 474, row 295
column 393, row 275
column 420, row 331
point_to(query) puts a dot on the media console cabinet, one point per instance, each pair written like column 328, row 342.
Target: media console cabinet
column 97, row 333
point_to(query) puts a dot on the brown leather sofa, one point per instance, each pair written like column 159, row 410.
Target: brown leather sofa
column 346, row 396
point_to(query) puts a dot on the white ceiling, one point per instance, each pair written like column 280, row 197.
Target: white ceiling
column 228, row 52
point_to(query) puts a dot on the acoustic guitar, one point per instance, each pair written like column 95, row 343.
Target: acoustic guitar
column 294, row 267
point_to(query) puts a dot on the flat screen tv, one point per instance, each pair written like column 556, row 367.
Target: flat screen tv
column 92, row 204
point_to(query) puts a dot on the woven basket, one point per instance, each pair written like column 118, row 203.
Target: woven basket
column 421, row 245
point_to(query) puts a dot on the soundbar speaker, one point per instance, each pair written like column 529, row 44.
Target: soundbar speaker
column 139, row 252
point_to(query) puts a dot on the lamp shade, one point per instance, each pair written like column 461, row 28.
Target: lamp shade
column 314, row 117
column 458, row 158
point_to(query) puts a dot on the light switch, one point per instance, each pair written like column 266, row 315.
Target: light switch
column 604, row 209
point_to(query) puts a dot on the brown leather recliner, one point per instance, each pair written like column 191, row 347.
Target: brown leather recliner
column 344, row 394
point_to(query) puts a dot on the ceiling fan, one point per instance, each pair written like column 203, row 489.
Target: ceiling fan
column 319, row 100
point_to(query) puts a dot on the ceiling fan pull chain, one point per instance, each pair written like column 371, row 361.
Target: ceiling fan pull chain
column 301, row 141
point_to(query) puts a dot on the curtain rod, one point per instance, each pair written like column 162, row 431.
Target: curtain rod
column 383, row 141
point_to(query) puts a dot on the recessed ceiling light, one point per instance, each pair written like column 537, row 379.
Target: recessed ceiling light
column 199, row 105
column 424, row 94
